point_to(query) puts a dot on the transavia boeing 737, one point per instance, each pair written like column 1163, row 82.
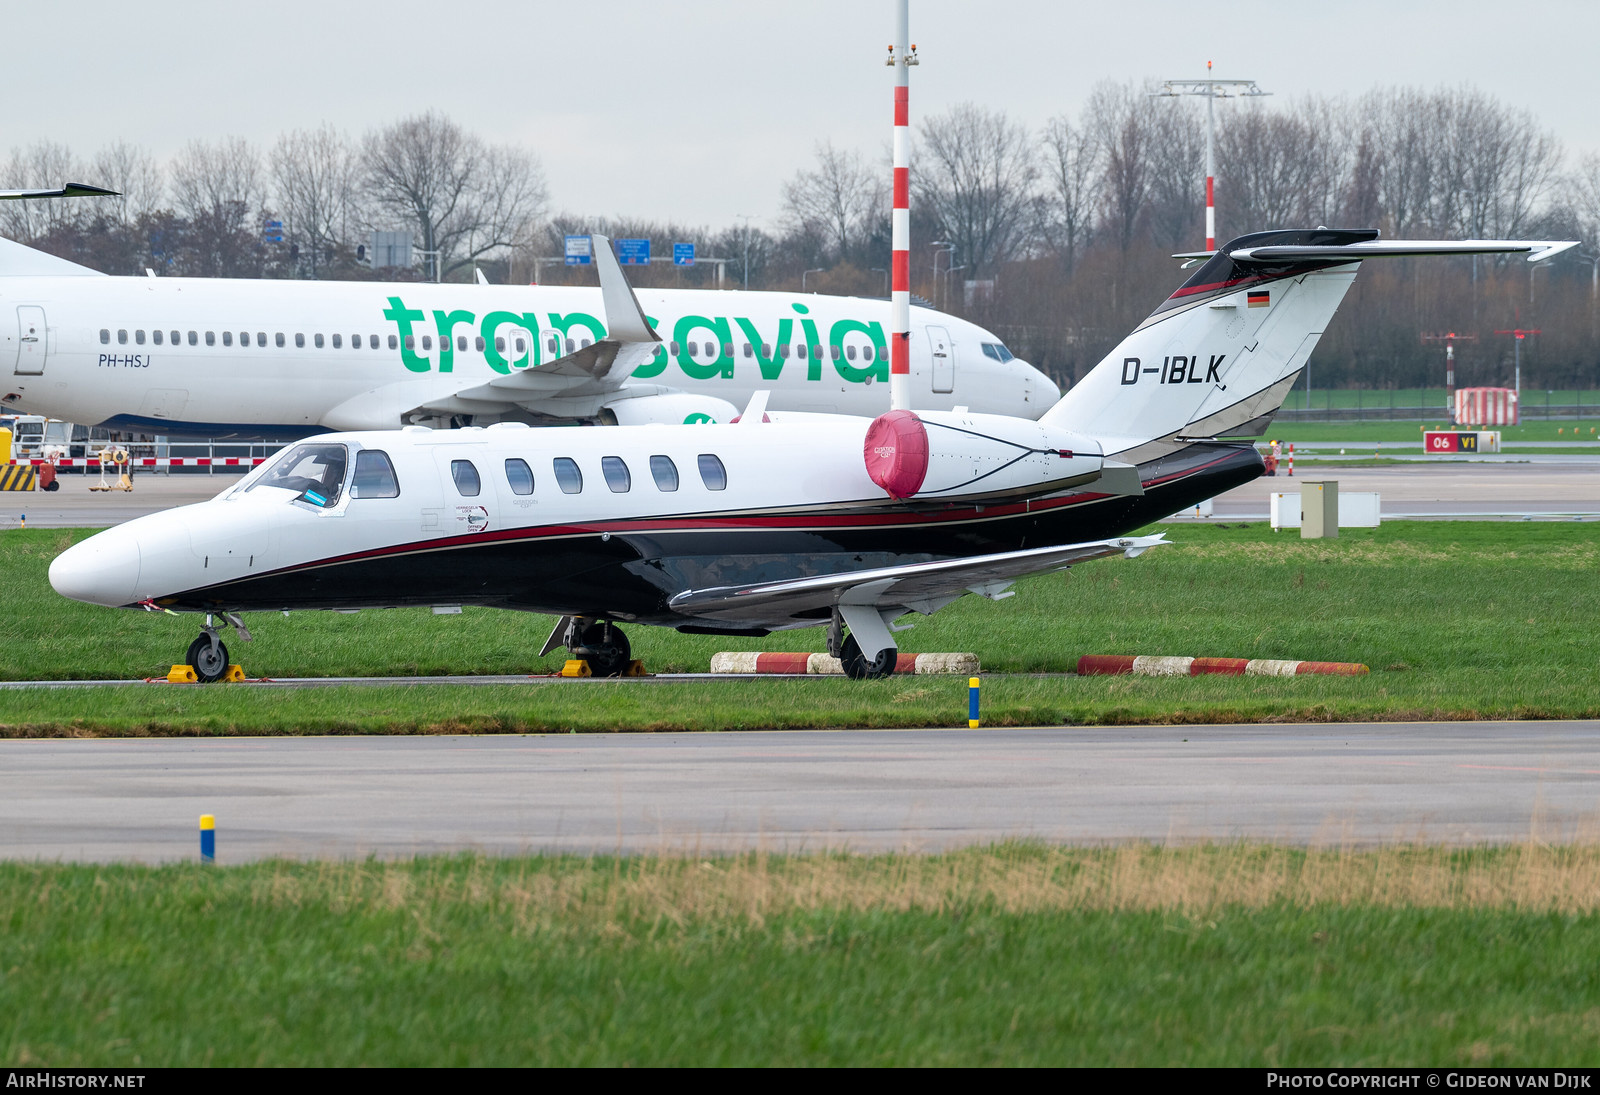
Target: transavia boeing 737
column 283, row 359
column 747, row 528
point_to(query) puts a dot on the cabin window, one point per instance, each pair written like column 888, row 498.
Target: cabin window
column 834, row 352
column 411, row 342
column 478, row 343
column 850, row 352
column 261, row 338
column 520, row 476
column 427, row 343
column 394, row 342
column 155, row 336
column 138, row 336
column 766, row 350
column 374, row 477
column 568, row 476
column 227, row 338
column 571, row 346
column 465, row 475
column 749, row 350
column 616, row 473
column 336, row 343
column 175, row 338
column 122, row 336
column 522, row 347
column 317, row 340
column 783, row 351
column 727, row 349
column 461, row 343
column 555, row 346
column 299, row 341
column 499, row 344
column 672, row 348
column 278, row 339
column 105, row 336
column 587, row 342
column 712, row 473
column 665, row 473
column 194, row 338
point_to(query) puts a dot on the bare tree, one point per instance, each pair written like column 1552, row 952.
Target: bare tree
column 314, row 176
column 1119, row 119
column 218, row 189
column 1177, row 172
column 835, row 202
column 1281, row 169
column 1071, row 163
column 465, row 199
column 134, row 175
column 977, row 184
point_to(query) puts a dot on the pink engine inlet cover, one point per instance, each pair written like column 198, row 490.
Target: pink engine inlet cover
column 896, row 452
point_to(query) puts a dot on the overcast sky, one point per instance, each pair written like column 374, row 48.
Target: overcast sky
column 697, row 110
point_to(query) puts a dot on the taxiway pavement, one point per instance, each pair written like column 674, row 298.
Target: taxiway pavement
column 918, row 790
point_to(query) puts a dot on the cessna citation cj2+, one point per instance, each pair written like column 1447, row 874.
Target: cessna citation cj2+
column 284, row 359
column 746, row 528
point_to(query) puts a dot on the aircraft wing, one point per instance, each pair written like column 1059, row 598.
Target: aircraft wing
column 71, row 190
column 597, row 369
column 919, row 587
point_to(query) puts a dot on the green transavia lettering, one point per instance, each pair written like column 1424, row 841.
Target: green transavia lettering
column 571, row 330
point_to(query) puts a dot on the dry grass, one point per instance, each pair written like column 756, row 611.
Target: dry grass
column 542, row 894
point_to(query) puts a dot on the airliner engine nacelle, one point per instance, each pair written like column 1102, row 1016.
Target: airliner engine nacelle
column 939, row 455
column 671, row 409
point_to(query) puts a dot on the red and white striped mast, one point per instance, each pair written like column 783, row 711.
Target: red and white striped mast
column 902, row 55
column 1213, row 90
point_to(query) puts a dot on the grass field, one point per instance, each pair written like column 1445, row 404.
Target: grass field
column 1313, row 433
column 1456, row 620
column 1209, row 955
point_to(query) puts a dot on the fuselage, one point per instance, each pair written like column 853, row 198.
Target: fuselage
column 610, row 523
column 283, row 359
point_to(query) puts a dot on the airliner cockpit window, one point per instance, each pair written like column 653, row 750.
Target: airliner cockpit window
column 314, row 472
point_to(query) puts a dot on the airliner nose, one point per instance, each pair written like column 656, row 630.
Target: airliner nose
column 1049, row 391
column 103, row 570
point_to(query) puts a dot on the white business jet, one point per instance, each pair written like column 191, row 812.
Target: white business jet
column 283, row 359
column 747, row 528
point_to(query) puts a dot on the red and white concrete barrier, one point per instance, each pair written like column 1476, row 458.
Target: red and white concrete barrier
column 821, row 664
column 1091, row 665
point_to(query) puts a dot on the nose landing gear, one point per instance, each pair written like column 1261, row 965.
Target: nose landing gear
column 207, row 653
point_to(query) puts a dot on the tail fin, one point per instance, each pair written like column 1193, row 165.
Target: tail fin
column 1220, row 355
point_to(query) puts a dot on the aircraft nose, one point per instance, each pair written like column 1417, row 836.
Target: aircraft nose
column 1049, row 391
column 103, row 570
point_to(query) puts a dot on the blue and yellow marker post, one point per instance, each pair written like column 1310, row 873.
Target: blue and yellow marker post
column 972, row 703
column 208, row 839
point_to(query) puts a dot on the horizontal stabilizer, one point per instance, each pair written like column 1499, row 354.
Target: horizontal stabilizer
column 71, row 190
column 1536, row 250
column 18, row 260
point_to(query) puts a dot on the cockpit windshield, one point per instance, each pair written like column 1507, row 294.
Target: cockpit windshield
column 997, row 350
column 314, row 472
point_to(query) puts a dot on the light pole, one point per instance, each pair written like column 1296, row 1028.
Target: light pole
column 746, row 217
column 940, row 247
column 885, row 273
column 948, row 271
column 1212, row 90
column 1519, row 334
column 803, row 274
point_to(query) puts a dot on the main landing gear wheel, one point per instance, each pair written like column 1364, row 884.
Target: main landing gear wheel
column 605, row 648
column 209, row 657
column 858, row 668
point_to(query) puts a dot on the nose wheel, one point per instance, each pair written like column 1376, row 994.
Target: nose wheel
column 209, row 657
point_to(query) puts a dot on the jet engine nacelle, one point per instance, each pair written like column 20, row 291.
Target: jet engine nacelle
column 948, row 455
column 671, row 409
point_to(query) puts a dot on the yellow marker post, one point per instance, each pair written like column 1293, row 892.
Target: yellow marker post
column 208, row 839
column 972, row 703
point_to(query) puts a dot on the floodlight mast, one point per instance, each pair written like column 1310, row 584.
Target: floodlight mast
column 902, row 55
column 1212, row 90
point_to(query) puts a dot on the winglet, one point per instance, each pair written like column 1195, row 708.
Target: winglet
column 625, row 319
column 755, row 412
column 71, row 190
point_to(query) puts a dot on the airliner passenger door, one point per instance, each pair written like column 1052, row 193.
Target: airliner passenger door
column 944, row 360
column 30, row 340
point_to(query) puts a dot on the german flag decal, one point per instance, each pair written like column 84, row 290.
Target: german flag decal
column 1261, row 299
